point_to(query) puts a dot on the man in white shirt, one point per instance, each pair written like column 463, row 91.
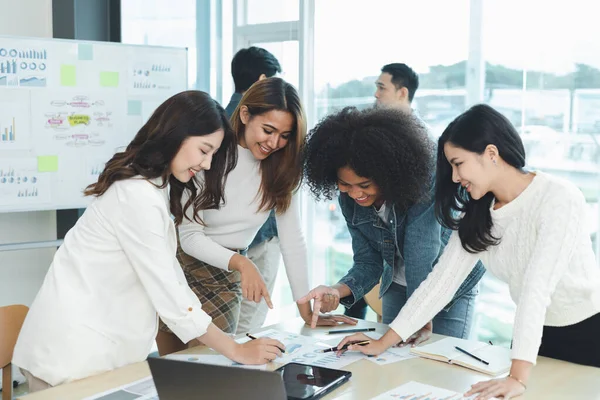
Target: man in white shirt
column 396, row 86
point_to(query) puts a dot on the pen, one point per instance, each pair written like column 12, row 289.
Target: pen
column 352, row 330
column 345, row 347
column 254, row 338
column 471, row 355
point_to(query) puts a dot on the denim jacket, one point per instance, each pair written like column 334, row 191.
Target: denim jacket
column 420, row 240
column 267, row 231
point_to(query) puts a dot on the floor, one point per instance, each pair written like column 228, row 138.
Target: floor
column 21, row 390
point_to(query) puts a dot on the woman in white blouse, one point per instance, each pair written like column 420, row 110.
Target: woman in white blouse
column 116, row 270
column 270, row 127
column 528, row 229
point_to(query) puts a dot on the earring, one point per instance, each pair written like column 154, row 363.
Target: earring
column 494, row 161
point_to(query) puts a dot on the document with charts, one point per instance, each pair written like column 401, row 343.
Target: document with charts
column 419, row 391
column 308, row 350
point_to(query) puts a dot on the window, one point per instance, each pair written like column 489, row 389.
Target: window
column 391, row 31
column 547, row 82
column 287, row 53
column 264, row 11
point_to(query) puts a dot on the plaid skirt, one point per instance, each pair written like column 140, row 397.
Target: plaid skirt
column 219, row 291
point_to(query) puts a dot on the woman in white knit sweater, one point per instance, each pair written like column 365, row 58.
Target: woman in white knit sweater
column 528, row 228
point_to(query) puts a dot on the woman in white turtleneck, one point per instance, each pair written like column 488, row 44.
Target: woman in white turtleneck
column 270, row 126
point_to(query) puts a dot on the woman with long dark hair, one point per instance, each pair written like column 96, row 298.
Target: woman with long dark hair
column 116, row 270
column 528, row 228
column 270, row 129
column 381, row 163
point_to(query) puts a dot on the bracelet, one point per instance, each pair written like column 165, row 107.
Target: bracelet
column 518, row 380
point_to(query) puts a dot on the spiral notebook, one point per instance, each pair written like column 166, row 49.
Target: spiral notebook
column 445, row 350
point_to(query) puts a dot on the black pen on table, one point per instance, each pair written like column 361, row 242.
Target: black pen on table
column 352, row 330
column 345, row 347
column 254, row 338
column 471, row 355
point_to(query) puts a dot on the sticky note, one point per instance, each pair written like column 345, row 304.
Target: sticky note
column 47, row 163
column 109, row 79
column 134, row 107
column 85, row 52
column 78, row 119
column 67, row 75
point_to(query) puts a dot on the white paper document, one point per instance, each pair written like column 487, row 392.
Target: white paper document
column 308, row 350
column 212, row 359
column 419, row 391
column 392, row 355
column 139, row 390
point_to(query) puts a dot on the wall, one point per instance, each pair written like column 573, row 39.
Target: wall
column 22, row 272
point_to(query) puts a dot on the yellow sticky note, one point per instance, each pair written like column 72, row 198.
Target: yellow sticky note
column 78, row 119
column 68, row 75
column 47, row 163
column 109, row 79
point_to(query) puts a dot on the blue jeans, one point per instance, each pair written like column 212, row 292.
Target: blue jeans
column 454, row 322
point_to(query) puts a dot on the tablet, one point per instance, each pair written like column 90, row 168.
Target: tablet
column 310, row 382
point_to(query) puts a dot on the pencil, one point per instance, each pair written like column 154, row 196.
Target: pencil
column 471, row 355
column 351, row 330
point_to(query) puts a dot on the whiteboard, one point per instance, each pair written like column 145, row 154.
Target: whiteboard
column 67, row 106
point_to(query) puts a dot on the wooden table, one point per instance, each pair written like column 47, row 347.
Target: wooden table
column 550, row 379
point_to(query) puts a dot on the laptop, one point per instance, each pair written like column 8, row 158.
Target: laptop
column 181, row 380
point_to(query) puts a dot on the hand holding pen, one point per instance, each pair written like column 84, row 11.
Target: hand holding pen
column 280, row 345
column 345, row 347
column 374, row 347
column 256, row 351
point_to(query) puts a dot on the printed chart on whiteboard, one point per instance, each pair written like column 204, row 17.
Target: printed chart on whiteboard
column 66, row 107
column 15, row 120
column 21, row 183
column 23, row 66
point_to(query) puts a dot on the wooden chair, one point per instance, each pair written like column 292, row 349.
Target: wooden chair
column 372, row 299
column 11, row 320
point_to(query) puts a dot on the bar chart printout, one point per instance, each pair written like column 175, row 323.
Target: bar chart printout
column 419, row 391
column 8, row 132
column 21, row 183
column 15, row 120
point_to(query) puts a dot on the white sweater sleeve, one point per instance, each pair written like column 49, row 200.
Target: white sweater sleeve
column 437, row 290
column 195, row 243
column 140, row 229
column 559, row 224
column 293, row 248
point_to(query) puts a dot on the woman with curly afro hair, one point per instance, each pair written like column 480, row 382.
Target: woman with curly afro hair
column 382, row 163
